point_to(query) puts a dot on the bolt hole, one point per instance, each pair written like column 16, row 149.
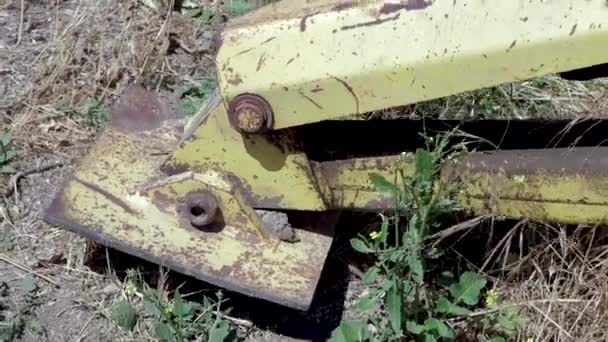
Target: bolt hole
column 197, row 211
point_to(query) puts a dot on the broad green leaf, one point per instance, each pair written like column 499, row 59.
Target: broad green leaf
column 429, row 338
column 445, row 306
column 5, row 140
column 360, row 246
column 164, row 332
column 152, row 302
column 433, row 324
column 181, row 307
column 468, row 287
column 498, row 339
column 368, row 277
column 382, row 185
column 7, row 155
column 29, row 284
column 349, row 331
column 7, row 169
column 387, row 284
column 507, row 324
column 7, row 242
column 416, row 268
column 393, row 306
column 124, row 315
column 219, row 332
column 414, row 327
column 367, row 302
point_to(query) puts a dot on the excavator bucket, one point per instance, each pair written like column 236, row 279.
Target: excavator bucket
column 118, row 196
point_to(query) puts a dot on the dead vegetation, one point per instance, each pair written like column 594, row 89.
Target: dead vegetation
column 62, row 61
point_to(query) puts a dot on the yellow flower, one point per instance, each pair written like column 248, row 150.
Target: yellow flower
column 375, row 235
column 491, row 298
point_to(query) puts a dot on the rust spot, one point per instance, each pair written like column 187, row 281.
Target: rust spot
column 235, row 80
column 252, row 198
column 524, row 19
column 161, row 200
column 243, row 52
column 173, row 168
column 371, row 23
column 261, row 61
column 303, row 21
column 410, row 5
column 250, row 113
column 350, row 90
column 310, row 100
column 573, row 30
column 140, row 110
column 107, row 195
column 512, row 45
column 343, row 4
column 218, row 40
column 268, row 40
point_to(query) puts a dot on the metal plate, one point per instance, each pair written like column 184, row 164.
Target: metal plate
column 99, row 201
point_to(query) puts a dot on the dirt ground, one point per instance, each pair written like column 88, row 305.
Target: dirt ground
column 58, row 55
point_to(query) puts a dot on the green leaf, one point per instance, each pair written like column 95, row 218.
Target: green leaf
column 433, row 324
column 393, row 306
column 219, row 332
column 424, row 165
column 28, row 284
column 369, row 276
column 414, row 327
column 382, row 185
column 181, row 307
column 152, row 305
column 445, row 306
column 414, row 262
column 360, row 246
column 124, row 315
column 34, row 325
column 7, row 169
column 367, row 302
column 164, row 332
column 468, row 287
column 7, row 155
column 349, row 331
column 506, row 324
column 5, row 140
column 429, row 338
column 498, row 339
column 7, row 242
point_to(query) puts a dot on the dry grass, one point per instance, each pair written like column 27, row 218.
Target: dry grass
column 561, row 281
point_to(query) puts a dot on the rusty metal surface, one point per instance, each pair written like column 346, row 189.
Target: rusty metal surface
column 567, row 185
column 110, row 199
column 250, row 113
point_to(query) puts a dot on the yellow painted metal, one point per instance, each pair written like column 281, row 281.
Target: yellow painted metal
column 119, row 197
column 272, row 169
column 316, row 60
column 560, row 185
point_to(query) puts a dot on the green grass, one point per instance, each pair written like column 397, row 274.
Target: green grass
column 170, row 317
column 94, row 112
column 19, row 317
column 405, row 297
column 195, row 97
